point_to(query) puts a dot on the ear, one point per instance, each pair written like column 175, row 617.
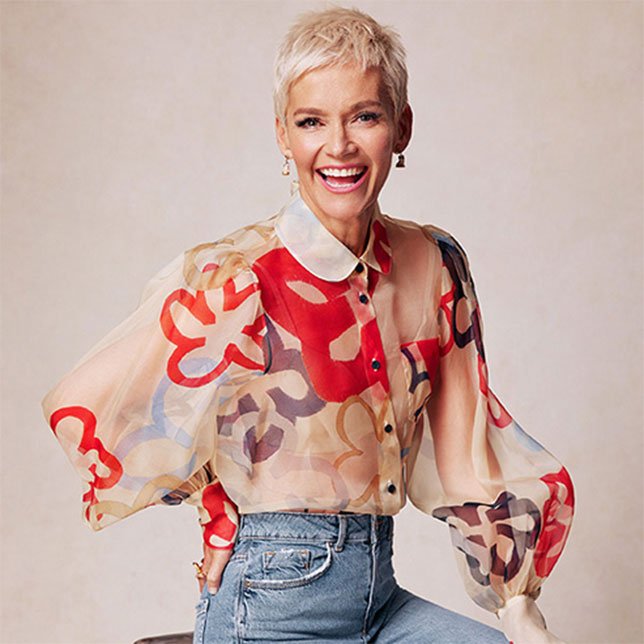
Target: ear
column 282, row 138
column 403, row 135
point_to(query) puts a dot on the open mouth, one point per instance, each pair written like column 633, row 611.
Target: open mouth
column 342, row 179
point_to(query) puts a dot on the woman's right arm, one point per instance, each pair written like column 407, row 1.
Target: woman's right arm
column 136, row 415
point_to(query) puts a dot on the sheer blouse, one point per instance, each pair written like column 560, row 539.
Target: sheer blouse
column 274, row 369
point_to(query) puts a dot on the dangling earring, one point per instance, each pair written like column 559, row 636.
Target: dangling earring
column 286, row 168
column 401, row 161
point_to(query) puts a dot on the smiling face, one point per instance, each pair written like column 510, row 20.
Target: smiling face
column 341, row 134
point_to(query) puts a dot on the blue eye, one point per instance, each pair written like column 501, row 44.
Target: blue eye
column 308, row 122
column 367, row 117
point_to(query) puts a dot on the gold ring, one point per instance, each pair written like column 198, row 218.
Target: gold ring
column 200, row 573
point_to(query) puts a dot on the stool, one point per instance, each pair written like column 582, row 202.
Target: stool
column 172, row 638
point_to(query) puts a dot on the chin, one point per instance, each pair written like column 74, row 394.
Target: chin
column 348, row 210
column 341, row 207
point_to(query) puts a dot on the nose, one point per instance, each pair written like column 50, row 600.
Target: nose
column 339, row 143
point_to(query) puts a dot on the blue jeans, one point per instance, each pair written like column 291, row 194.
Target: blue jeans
column 299, row 577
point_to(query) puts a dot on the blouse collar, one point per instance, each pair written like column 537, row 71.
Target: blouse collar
column 322, row 254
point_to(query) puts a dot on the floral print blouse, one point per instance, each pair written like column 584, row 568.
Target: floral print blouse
column 273, row 370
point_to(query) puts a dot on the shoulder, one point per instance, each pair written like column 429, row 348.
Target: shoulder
column 209, row 266
column 449, row 246
column 407, row 232
column 212, row 264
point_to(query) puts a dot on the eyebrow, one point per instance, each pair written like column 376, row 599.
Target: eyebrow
column 355, row 107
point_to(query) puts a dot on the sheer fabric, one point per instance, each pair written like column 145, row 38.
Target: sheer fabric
column 273, row 369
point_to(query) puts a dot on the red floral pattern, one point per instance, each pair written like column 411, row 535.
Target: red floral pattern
column 87, row 443
column 557, row 518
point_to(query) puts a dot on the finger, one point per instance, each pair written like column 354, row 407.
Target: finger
column 215, row 566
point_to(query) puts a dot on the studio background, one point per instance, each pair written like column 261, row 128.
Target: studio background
column 133, row 130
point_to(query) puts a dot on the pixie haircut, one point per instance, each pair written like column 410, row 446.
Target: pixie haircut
column 340, row 36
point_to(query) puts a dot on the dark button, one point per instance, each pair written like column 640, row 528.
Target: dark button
column 388, row 427
column 363, row 298
column 359, row 268
column 375, row 365
column 391, row 488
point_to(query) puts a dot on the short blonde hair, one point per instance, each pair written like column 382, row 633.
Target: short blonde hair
column 334, row 37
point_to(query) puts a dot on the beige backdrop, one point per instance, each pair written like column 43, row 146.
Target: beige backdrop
column 135, row 129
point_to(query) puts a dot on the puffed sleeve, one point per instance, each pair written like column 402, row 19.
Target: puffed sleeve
column 137, row 416
column 507, row 501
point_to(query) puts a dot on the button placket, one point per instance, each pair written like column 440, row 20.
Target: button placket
column 370, row 340
column 360, row 283
column 389, row 464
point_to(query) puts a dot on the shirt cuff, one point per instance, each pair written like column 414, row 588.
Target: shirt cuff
column 523, row 623
column 218, row 517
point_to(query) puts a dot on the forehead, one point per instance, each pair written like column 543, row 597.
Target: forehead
column 336, row 88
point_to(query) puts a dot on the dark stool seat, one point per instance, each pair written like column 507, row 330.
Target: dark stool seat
column 172, row 638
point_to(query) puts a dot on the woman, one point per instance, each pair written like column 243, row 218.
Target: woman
column 303, row 376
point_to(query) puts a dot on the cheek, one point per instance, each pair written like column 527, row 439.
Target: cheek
column 303, row 151
column 380, row 177
column 381, row 148
column 382, row 160
column 383, row 152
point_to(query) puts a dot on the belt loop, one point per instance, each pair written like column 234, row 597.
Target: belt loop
column 342, row 532
column 374, row 529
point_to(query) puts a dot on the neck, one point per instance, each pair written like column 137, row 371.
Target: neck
column 353, row 233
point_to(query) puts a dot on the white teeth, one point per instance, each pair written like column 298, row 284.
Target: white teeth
column 341, row 172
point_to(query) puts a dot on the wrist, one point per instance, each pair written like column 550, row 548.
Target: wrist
column 219, row 518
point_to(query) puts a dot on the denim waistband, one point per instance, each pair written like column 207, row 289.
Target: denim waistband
column 307, row 526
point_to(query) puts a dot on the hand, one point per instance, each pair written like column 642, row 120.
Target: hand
column 523, row 623
column 214, row 562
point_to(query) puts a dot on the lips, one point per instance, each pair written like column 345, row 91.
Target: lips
column 342, row 179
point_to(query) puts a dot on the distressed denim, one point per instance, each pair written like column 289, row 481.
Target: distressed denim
column 299, row 577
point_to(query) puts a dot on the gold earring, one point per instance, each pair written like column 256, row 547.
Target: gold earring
column 401, row 161
column 286, row 168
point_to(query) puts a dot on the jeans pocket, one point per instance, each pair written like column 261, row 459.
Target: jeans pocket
column 200, row 621
column 288, row 567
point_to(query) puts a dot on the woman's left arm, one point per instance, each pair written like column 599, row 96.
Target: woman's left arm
column 507, row 500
